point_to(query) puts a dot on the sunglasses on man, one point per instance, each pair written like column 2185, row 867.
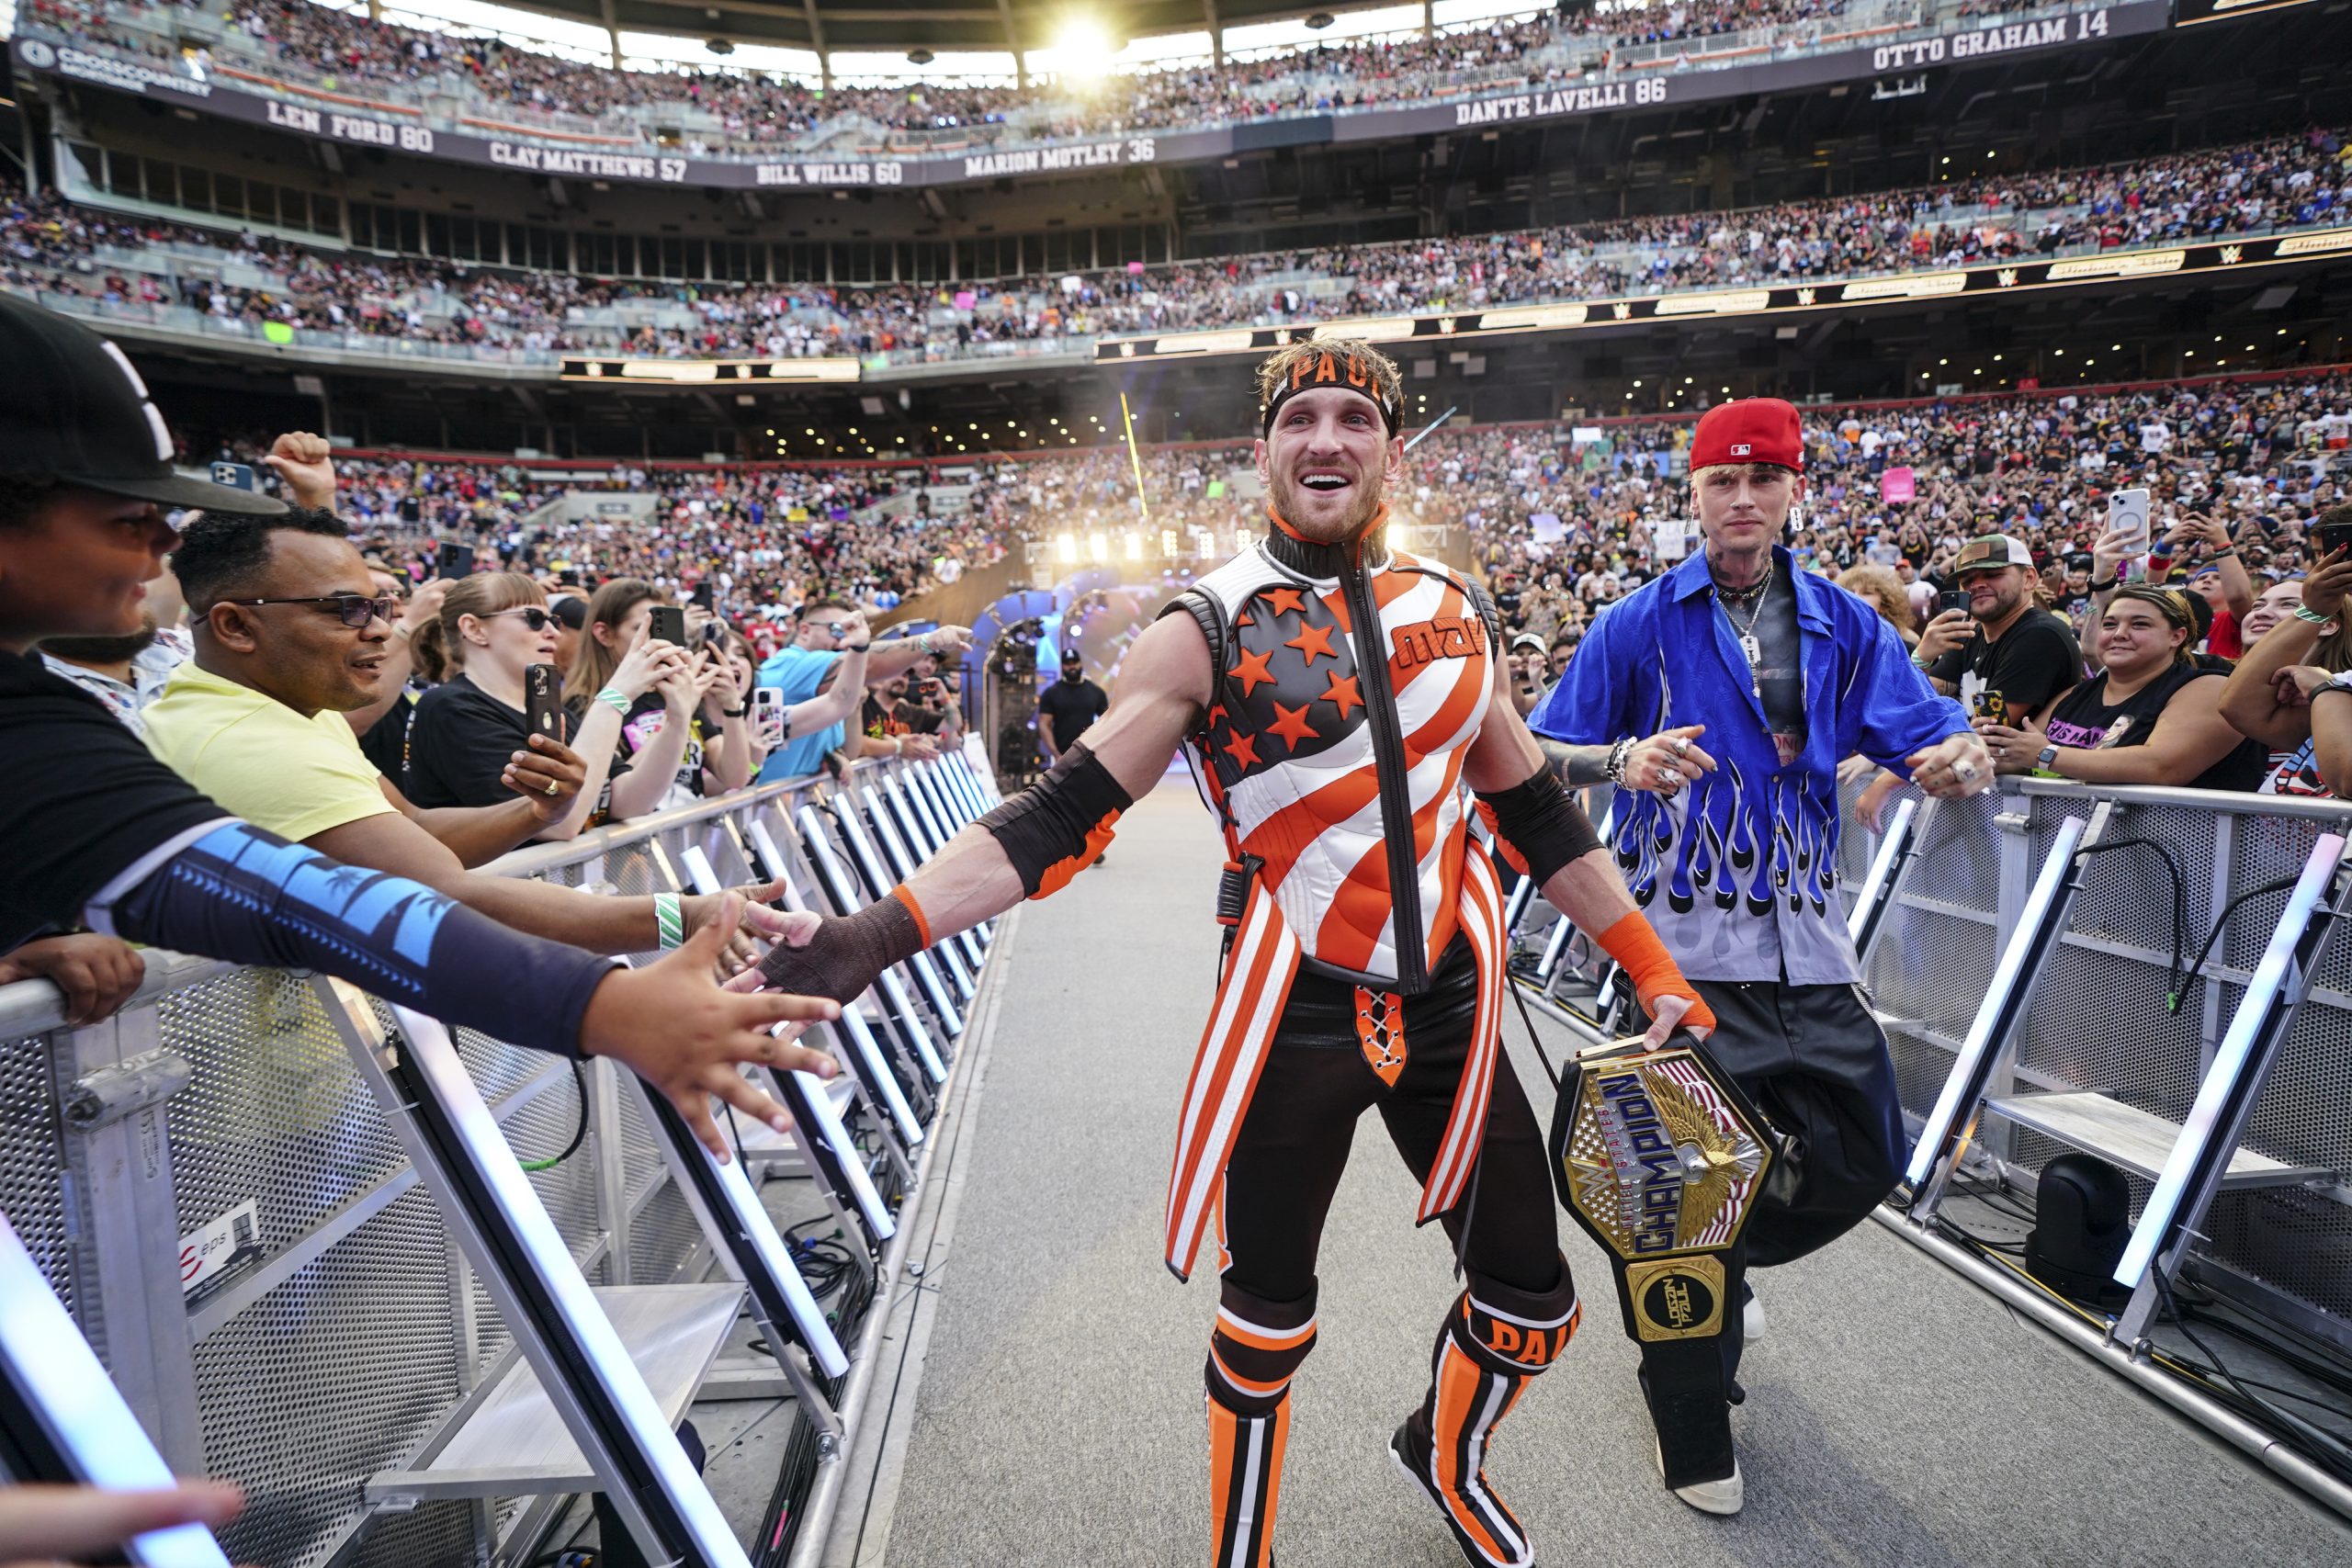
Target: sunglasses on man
column 356, row 610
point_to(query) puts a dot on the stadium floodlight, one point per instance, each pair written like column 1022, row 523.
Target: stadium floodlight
column 1083, row 49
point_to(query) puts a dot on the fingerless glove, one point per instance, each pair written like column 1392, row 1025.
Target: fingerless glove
column 848, row 950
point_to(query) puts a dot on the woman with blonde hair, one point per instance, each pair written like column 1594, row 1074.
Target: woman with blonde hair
column 2296, row 644
column 659, row 763
column 1878, row 587
column 493, row 628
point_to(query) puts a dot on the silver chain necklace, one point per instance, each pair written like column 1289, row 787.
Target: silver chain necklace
column 1749, row 644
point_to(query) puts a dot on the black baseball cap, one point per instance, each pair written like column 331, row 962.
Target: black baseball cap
column 1071, row 656
column 73, row 407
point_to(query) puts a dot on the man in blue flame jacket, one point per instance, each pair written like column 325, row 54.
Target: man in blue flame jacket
column 1722, row 697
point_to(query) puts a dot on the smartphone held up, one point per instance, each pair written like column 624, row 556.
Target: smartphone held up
column 543, row 700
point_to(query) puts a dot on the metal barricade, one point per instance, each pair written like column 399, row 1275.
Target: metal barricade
column 319, row 1326
column 2102, row 1020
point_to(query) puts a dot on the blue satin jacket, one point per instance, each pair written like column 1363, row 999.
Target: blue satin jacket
column 1738, row 873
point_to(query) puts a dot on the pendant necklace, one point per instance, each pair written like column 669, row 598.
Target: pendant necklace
column 1749, row 644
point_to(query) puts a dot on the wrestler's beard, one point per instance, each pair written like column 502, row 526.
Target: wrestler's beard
column 1362, row 508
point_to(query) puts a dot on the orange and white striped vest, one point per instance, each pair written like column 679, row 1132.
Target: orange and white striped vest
column 1353, row 681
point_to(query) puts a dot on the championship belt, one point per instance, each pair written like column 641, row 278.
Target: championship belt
column 1661, row 1159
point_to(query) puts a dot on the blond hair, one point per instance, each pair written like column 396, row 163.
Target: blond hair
column 1878, row 587
column 480, row 595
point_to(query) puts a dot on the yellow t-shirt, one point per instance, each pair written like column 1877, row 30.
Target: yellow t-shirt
column 260, row 759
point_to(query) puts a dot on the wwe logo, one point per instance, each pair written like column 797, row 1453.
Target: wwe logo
column 2232, row 254
column 1126, row 351
column 1805, row 295
column 1622, row 310
column 1445, row 324
column 2008, row 277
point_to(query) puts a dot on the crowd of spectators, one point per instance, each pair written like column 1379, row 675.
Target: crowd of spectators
column 2295, row 181
column 1979, row 527
column 2061, row 639
column 765, row 539
column 1570, row 525
column 757, row 111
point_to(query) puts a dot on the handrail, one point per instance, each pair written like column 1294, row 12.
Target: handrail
column 37, row 1006
column 2240, row 803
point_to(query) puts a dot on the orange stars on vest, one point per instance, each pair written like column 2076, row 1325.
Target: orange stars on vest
column 1250, row 669
column 1344, row 693
column 1283, row 601
column 1242, row 749
column 1291, row 725
column 1312, row 640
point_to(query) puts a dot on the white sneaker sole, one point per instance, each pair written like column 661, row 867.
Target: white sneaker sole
column 1722, row 1497
column 1751, row 1322
column 1422, row 1490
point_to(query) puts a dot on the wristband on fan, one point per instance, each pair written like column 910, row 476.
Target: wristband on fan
column 612, row 698
column 2304, row 613
column 670, row 920
column 1636, row 947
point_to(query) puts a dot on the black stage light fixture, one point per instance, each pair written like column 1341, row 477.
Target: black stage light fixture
column 1319, row 20
column 920, row 57
column 720, row 45
column 2082, row 1218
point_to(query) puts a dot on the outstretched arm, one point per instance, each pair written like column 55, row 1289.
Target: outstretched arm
column 1551, row 840
column 1163, row 686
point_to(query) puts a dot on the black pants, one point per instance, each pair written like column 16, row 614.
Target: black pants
column 1812, row 1059
column 1293, row 1143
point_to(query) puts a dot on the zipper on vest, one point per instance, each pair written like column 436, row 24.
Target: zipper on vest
column 1388, row 768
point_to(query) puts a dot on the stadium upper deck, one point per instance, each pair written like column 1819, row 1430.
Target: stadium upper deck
column 303, row 68
column 2163, row 193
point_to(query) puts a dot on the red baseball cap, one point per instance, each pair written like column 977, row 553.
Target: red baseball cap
column 1751, row 430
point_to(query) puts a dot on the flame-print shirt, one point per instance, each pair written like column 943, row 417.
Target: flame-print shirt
column 1738, row 873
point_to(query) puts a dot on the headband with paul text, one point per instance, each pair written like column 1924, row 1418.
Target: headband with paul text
column 1329, row 369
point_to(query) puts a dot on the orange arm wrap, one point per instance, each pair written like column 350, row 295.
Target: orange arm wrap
column 923, row 927
column 1636, row 947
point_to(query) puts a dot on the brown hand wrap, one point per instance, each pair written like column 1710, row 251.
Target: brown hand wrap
column 847, row 952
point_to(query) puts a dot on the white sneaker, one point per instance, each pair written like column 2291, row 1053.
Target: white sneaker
column 1751, row 1318
column 1722, row 1496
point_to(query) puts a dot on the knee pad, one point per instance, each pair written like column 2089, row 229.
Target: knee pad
column 1255, row 1349
column 1512, row 1331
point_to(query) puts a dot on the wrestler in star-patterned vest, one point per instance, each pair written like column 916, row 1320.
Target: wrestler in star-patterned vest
column 1334, row 747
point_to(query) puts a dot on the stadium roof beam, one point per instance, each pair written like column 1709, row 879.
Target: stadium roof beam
column 612, row 27
column 1012, row 42
column 1216, row 33
column 816, row 41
